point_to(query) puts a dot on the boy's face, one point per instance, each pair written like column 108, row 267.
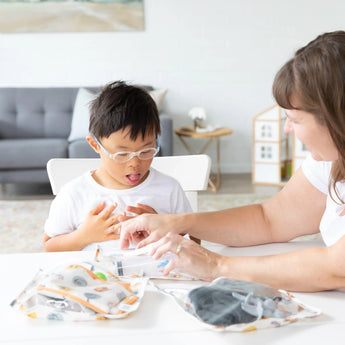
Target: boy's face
column 122, row 175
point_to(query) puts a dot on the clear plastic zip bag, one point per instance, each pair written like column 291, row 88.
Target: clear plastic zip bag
column 80, row 291
column 138, row 263
column 233, row 305
column 110, row 286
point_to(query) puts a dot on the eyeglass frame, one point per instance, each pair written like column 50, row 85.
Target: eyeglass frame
column 131, row 153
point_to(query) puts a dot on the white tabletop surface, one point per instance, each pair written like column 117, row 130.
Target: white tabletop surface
column 159, row 320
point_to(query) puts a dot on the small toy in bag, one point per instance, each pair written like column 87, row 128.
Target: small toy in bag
column 235, row 305
column 80, row 291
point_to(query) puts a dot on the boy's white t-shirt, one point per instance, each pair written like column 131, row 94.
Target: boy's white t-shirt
column 332, row 225
column 79, row 196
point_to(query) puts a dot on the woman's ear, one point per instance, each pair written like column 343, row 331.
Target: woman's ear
column 92, row 142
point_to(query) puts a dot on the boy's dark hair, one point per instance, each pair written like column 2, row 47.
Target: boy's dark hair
column 120, row 105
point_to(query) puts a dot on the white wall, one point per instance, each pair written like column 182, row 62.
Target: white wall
column 220, row 54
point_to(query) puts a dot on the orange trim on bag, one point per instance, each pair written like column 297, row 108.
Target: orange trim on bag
column 90, row 273
column 130, row 299
column 75, row 298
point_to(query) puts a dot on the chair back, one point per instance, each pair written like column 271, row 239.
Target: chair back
column 191, row 171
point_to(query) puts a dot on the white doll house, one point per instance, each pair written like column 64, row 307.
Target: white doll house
column 299, row 154
column 274, row 160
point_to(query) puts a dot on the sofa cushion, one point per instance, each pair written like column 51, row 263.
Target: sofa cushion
column 30, row 153
column 158, row 96
column 81, row 114
column 36, row 112
column 24, row 176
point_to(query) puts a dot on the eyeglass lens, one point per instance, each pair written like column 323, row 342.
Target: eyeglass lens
column 144, row 154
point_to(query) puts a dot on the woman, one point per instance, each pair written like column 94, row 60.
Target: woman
column 311, row 89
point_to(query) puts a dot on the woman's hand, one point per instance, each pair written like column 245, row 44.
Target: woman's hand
column 190, row 257
column 146, row 228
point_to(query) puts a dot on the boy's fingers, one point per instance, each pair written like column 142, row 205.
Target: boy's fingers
column 115, row 218
column 147, row 208
column 114, row 225
column 97, row 209
column 117, row 227
column 140, row 209
column 133, row 209
column 114, row 236
column 109, row 210
column 124, row 218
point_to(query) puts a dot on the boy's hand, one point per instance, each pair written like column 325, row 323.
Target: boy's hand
column 98, row 224
column 138, row 209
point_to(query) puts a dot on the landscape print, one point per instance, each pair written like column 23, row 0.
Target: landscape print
column 71, row 15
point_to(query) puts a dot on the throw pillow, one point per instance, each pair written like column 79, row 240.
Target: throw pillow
column 81, row 114
column 158, row 96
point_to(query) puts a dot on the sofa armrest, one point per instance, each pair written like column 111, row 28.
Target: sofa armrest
column 166, row 137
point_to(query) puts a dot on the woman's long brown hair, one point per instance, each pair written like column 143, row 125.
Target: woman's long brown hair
column 314, row 81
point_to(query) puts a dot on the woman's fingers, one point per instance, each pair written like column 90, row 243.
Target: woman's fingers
column 144, row 238
column 169, row 243
column 169, row 267
column 130, row 231
column 188, row 256
column 144, row 229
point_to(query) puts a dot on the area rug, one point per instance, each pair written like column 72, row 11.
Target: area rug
column 21, row 225
column 213, row 202
column 22, row 221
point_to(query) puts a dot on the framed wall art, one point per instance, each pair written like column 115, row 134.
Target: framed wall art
column 24, row 16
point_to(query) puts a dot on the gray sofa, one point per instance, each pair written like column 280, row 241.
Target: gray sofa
column 35, row 124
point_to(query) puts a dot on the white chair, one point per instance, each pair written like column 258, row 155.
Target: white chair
column 191, row 171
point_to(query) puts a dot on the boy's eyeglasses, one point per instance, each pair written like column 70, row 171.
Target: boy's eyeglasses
column 123, row 157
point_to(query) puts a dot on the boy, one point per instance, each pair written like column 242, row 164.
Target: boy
column 124, row 125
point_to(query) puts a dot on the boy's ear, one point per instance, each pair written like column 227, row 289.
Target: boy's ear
column 92, row 143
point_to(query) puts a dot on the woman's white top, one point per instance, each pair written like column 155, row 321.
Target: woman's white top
column 332, row 225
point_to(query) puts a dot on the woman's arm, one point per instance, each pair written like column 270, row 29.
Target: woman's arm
column 310, row 269
column 296, row 210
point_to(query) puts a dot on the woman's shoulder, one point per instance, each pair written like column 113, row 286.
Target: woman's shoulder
column 317, row 172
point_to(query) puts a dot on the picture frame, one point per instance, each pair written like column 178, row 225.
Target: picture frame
column 47, row 16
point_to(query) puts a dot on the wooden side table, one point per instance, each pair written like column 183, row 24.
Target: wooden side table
column 189, row 132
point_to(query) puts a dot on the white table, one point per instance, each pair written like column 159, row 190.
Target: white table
column 159, row 319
